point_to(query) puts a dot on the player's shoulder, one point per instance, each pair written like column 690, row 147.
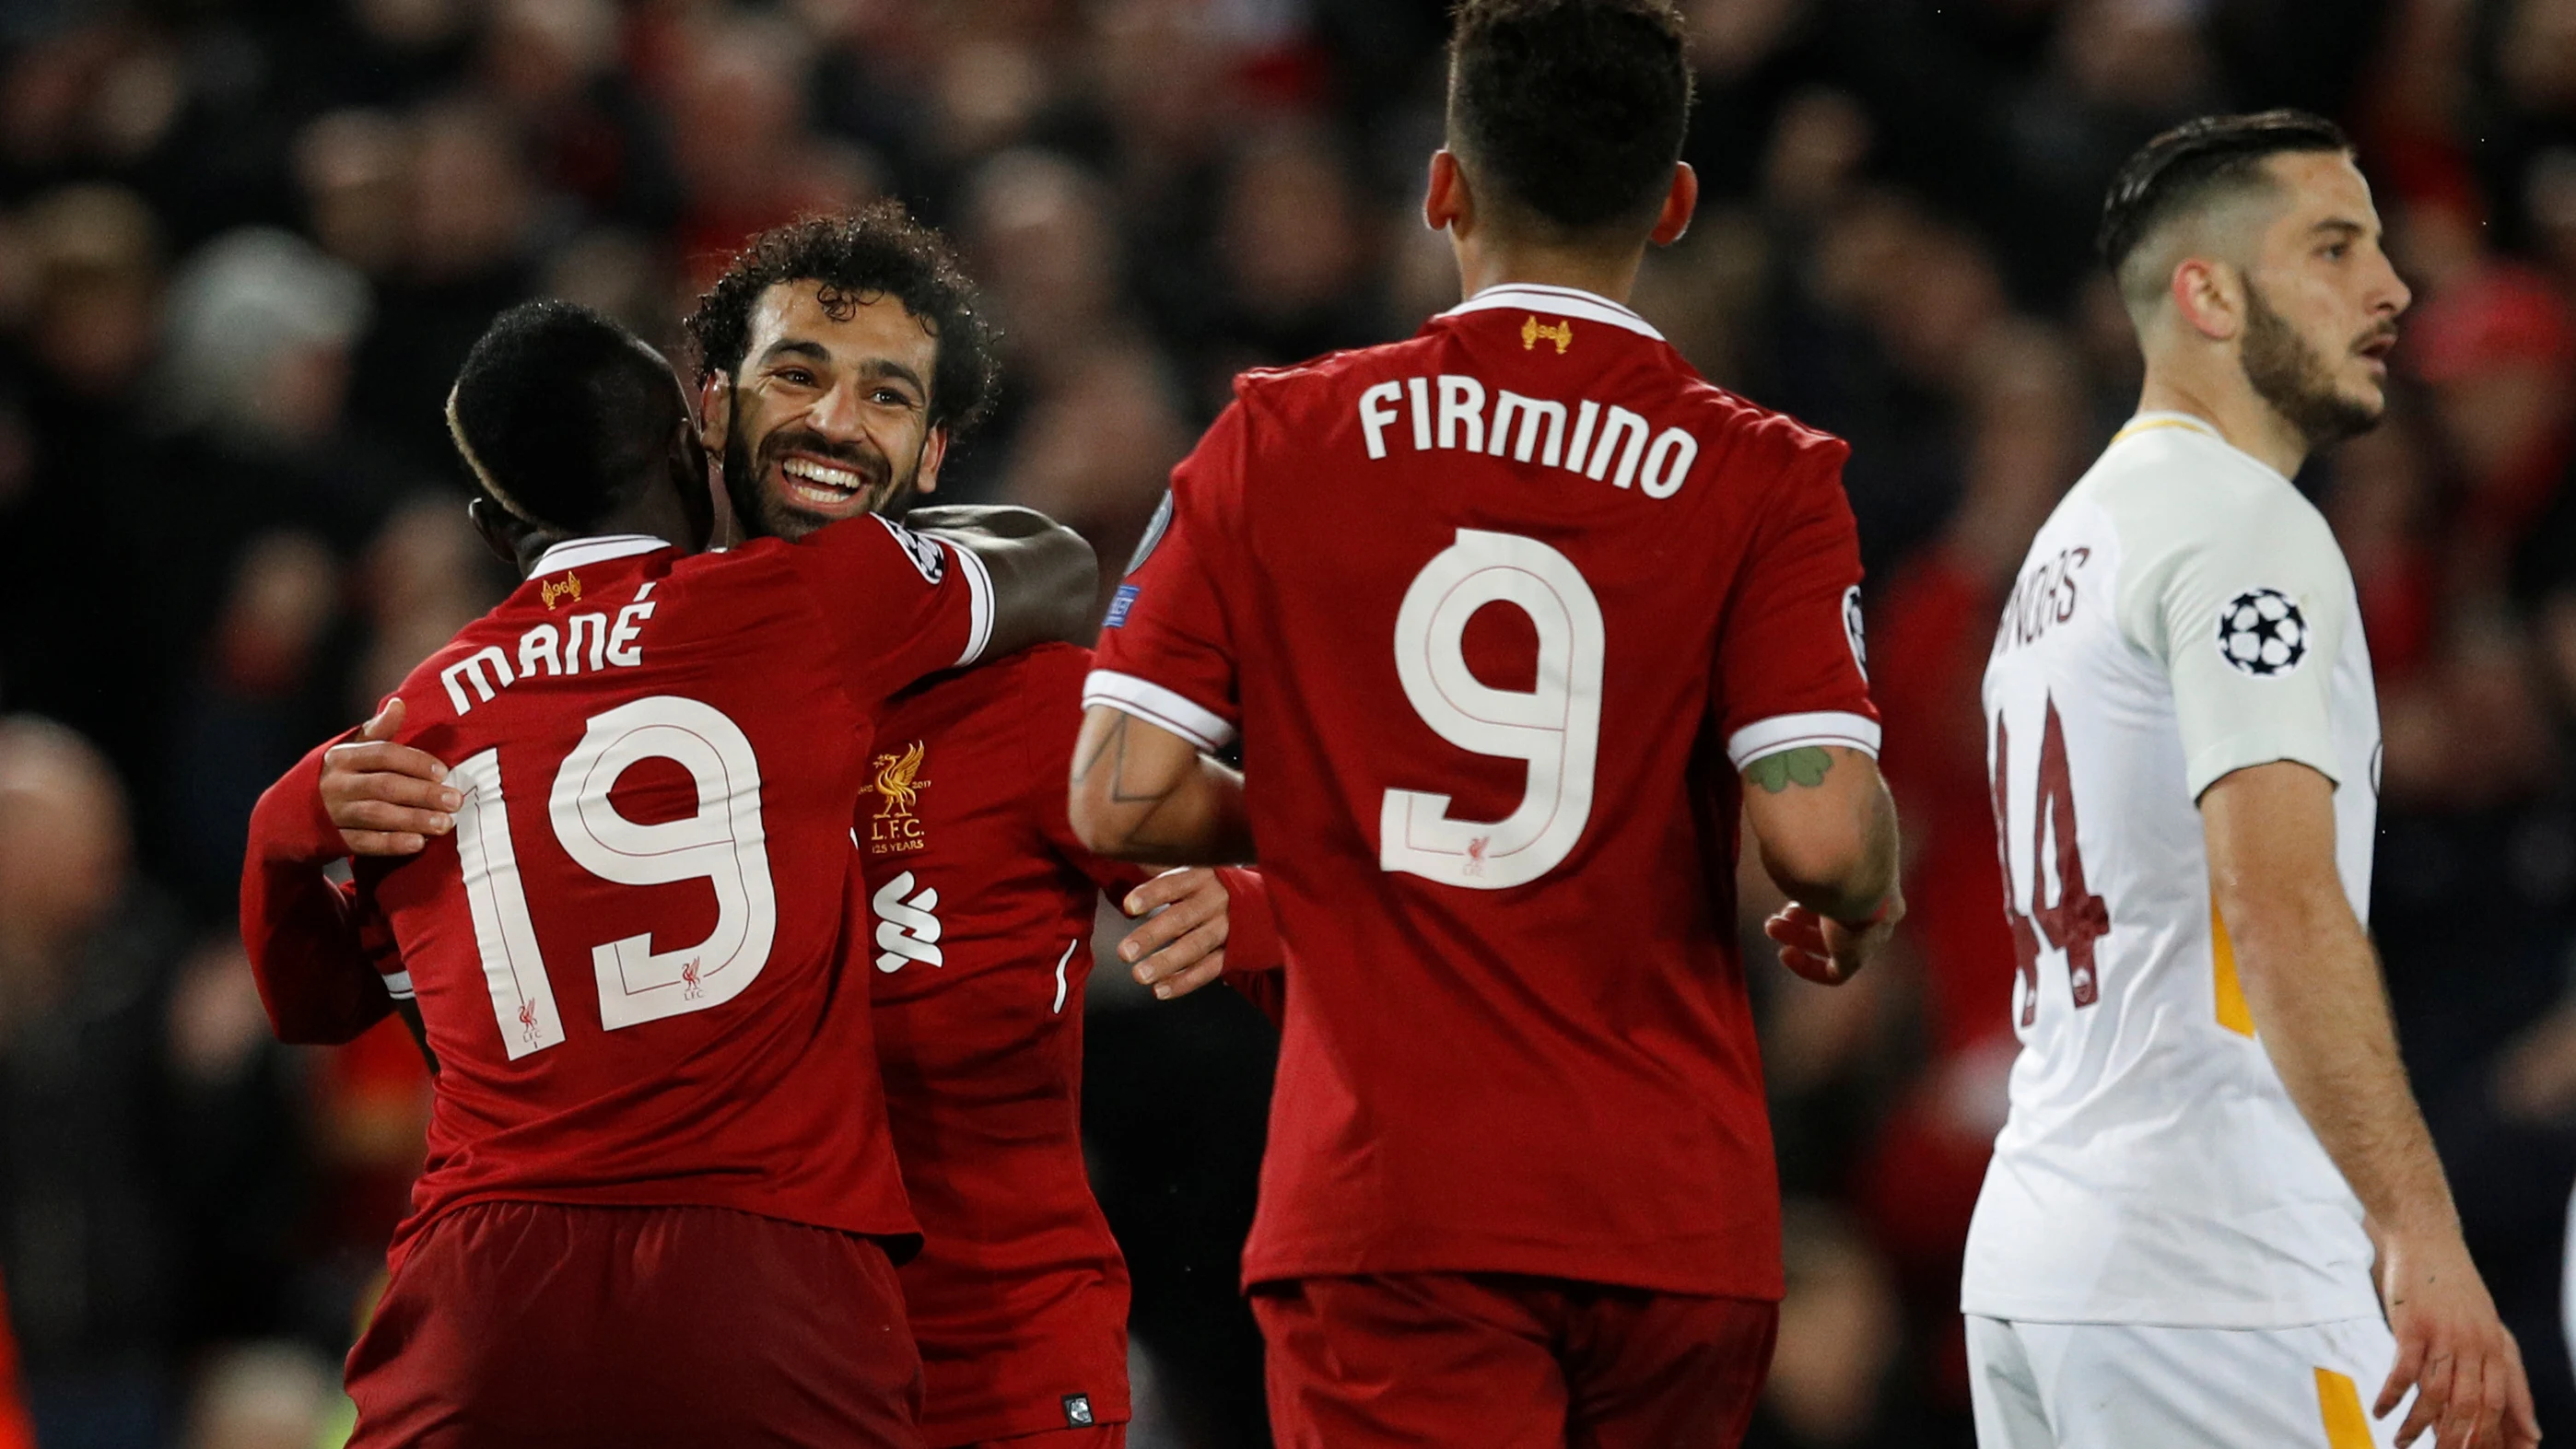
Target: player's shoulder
column 1001, row 695
column 1323, row 379
column 1743, row 435
column 2184, row 488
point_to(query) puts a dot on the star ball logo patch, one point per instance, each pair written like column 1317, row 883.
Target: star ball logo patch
column 2263, row 633
column 927, row 555
column 1077, row 1411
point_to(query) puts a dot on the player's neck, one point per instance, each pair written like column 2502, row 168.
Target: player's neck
column 1483, row 264
column 2239, row 414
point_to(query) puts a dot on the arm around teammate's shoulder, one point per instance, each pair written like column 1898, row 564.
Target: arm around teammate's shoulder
column 1826, row 829
column 2313, row 989
column 1045, row 577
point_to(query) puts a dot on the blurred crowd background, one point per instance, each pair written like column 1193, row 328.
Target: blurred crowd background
column 244, row 244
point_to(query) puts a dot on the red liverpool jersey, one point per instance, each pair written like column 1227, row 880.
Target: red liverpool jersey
column 977, row 918
column 628, row 954
column 1495, row 611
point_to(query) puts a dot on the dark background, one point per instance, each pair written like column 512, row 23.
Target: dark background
column 243, row 246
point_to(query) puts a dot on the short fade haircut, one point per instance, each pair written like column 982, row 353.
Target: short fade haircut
column 856, row 257
column 561, row 412
column 2197, row 165
column 1573, row 110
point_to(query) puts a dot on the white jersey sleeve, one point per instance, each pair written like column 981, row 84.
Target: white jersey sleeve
column 2246, row 611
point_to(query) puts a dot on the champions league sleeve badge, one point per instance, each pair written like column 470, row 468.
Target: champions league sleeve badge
column 2263, row 633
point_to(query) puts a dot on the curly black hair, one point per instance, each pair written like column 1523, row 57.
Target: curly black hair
column 2199, row 162
column 1573, row 109
column 875, row 251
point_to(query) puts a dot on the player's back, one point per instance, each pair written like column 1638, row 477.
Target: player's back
column 627, row 956
column 2183, row 613
column 1493, row 595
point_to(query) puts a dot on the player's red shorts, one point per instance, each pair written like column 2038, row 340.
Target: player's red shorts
column 1100, row 1436
column 1499, row 1361
column 519, row 1323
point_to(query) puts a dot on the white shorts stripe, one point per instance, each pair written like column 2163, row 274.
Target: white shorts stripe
column 398, row 985
column 1797, row 731
column 1157, row 706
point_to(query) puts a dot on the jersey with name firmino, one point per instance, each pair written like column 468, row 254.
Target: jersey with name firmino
column 1497, row 611
column 2183, row 614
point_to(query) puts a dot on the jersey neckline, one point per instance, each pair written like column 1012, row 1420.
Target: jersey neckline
column 2156, row 420
column 1557, row 301
column 575, row 553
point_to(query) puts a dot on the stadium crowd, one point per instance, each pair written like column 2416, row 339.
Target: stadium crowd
column 245, row 243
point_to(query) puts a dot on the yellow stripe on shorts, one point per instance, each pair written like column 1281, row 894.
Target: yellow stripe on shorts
column 2339, row 1403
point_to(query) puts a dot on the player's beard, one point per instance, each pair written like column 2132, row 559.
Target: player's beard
column 747, row 472
column 2297, row 380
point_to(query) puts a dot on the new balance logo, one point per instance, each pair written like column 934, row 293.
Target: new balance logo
column 906, row 928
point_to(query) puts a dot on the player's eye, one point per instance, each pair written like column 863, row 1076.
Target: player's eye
column 795, row 376
column 890, row 397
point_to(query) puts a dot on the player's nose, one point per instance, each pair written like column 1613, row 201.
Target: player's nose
column 836, row 413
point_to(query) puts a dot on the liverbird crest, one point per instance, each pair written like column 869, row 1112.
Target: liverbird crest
column 899, row 780
column 1533, row 331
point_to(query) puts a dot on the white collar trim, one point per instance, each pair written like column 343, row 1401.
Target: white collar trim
column 1556, row 301
column 2156, row 420
column 573, row 553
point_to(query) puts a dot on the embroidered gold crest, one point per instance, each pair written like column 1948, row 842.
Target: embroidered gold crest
column 554, row 593
column 895, row 830
column 1533, row 332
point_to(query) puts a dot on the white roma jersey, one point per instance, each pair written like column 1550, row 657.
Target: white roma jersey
column 2184, row 613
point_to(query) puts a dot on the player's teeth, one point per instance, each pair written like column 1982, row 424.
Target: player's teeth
column 841, row 478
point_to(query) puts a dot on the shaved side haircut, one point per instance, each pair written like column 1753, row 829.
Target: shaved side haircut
column 2188, row 173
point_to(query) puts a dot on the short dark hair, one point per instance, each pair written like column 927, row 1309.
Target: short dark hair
column 875, row 251
column 562, row 413
column 2198, row 162
column 1572, row 109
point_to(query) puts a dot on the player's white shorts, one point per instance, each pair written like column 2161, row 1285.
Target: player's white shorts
column 2127, row 1386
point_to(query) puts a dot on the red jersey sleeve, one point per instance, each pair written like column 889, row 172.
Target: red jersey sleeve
column 1256, row 963
column 901, row 605
column 1166, row 653
column 1790, row 651
column 314, row 973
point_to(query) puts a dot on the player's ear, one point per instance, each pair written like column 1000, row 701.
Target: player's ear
column 934, row 451
column 1679, row 203
column 1446, row 202
column 2210, row 296
column 715, row 410
column 512, row 539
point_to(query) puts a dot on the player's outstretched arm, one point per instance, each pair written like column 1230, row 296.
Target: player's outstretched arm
column 2312, row 984
column 1141, row 792
column 313, row 974
column 1045, row 578
column 1826, row 828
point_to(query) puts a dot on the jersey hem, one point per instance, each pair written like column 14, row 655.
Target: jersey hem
column 2163, row 1315
column 1157, row 706
column 1764, row 1284
column 900, row 1243
column 970, row 1431
column 1782, row 732
column 2244, row 750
